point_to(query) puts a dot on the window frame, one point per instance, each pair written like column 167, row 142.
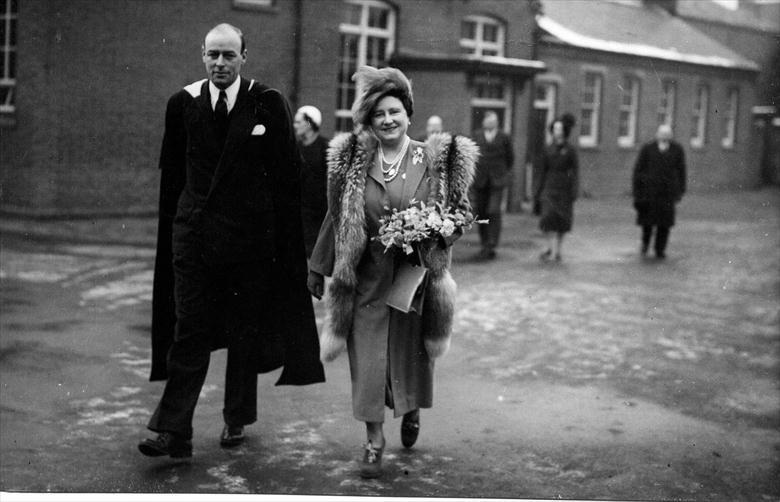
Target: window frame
column 478, row 45
column 729, row 139
column 549, row 103
column 701, row 104
column 667, row 109
column 9, row 50
column 591, row 140
column 363, row 32
column 491, row 103
column 629, row 139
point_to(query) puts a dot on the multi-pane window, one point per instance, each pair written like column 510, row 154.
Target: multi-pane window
column 699, row 116
column 629, row 106
column 490, row 94
column 367, row 38
column 666, row 103
column 590, row 108
column 8, row 26
column 481, row 36
column 730, row 118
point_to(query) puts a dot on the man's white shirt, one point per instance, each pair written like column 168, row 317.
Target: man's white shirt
column 231, row 91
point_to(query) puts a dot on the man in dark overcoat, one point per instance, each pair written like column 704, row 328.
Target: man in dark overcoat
column 230, row 270
column 494, row 166
column 658, row 185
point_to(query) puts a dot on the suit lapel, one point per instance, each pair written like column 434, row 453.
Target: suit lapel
column 375, row 171
column 206, row 117
column 414, row 174
column 242, row 120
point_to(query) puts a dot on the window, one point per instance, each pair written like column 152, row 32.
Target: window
column 666, row 103
column 8, row 25
column 545, row 97
column 629, row 106
column 730, row 118
column 481, row 36
column 590, row 109
column 490, row 93
column 367, row 38
column 699, row 116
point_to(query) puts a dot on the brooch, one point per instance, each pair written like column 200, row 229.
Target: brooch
column 417, row 155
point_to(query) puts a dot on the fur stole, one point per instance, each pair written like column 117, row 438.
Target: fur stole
column 349, row 157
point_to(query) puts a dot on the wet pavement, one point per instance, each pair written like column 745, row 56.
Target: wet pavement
column 605, row 376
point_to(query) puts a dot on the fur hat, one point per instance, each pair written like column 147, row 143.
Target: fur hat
column 372, row 85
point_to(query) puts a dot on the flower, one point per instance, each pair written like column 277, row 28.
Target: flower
column 421, row 221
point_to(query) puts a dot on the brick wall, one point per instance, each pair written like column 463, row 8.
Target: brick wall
column 93, row 81
column 606, row 169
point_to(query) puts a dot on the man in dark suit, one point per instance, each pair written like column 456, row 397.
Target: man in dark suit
column 492, row 175
column 658, row 185
column 230, row 269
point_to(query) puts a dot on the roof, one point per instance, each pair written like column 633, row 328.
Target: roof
column 635, row 29
column 762, row 15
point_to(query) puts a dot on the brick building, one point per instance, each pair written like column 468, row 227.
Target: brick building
column 85, row 82
column 751, row 28
column 623, row 67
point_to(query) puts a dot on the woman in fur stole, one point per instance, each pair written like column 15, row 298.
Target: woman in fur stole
column 371, row 171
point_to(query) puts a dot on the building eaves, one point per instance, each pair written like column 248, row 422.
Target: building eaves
column 635, row 31
column 410, row 59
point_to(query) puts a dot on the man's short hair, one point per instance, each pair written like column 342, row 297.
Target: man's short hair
column 223, row 26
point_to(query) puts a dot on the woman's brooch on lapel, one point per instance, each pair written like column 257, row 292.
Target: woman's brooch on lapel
column 417, row 155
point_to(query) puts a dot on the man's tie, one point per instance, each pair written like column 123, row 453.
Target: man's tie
column 221, row 116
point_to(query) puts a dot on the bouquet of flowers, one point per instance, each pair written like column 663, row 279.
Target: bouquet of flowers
column 421, row 221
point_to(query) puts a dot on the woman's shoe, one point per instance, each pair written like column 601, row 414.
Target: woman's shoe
column 546, row 256
column 371, row 467
column 410, row 428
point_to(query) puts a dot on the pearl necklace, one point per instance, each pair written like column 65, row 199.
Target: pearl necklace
column 394, row 167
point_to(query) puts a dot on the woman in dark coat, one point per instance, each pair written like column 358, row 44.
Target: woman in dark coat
column 558, row 187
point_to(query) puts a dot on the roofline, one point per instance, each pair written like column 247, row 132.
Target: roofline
column 477, row 64
column 570, row 37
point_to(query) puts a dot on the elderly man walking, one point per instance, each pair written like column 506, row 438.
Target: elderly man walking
column 658, row 185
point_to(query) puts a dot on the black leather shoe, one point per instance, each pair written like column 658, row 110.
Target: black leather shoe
column 166, row 443
column 232, row 436
column 410, row 429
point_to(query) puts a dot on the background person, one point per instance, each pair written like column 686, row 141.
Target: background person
column 313, row 148
column 434, row 125
column 659, row 183
column 558, row 187
column 494, row 166
column 391, row 354
column 229, row 209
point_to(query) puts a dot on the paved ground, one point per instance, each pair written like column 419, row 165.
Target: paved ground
column 604, row 377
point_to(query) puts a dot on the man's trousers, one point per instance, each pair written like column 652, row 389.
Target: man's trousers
column 215, row 303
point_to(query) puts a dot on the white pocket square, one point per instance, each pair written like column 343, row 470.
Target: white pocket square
column 259, row 130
